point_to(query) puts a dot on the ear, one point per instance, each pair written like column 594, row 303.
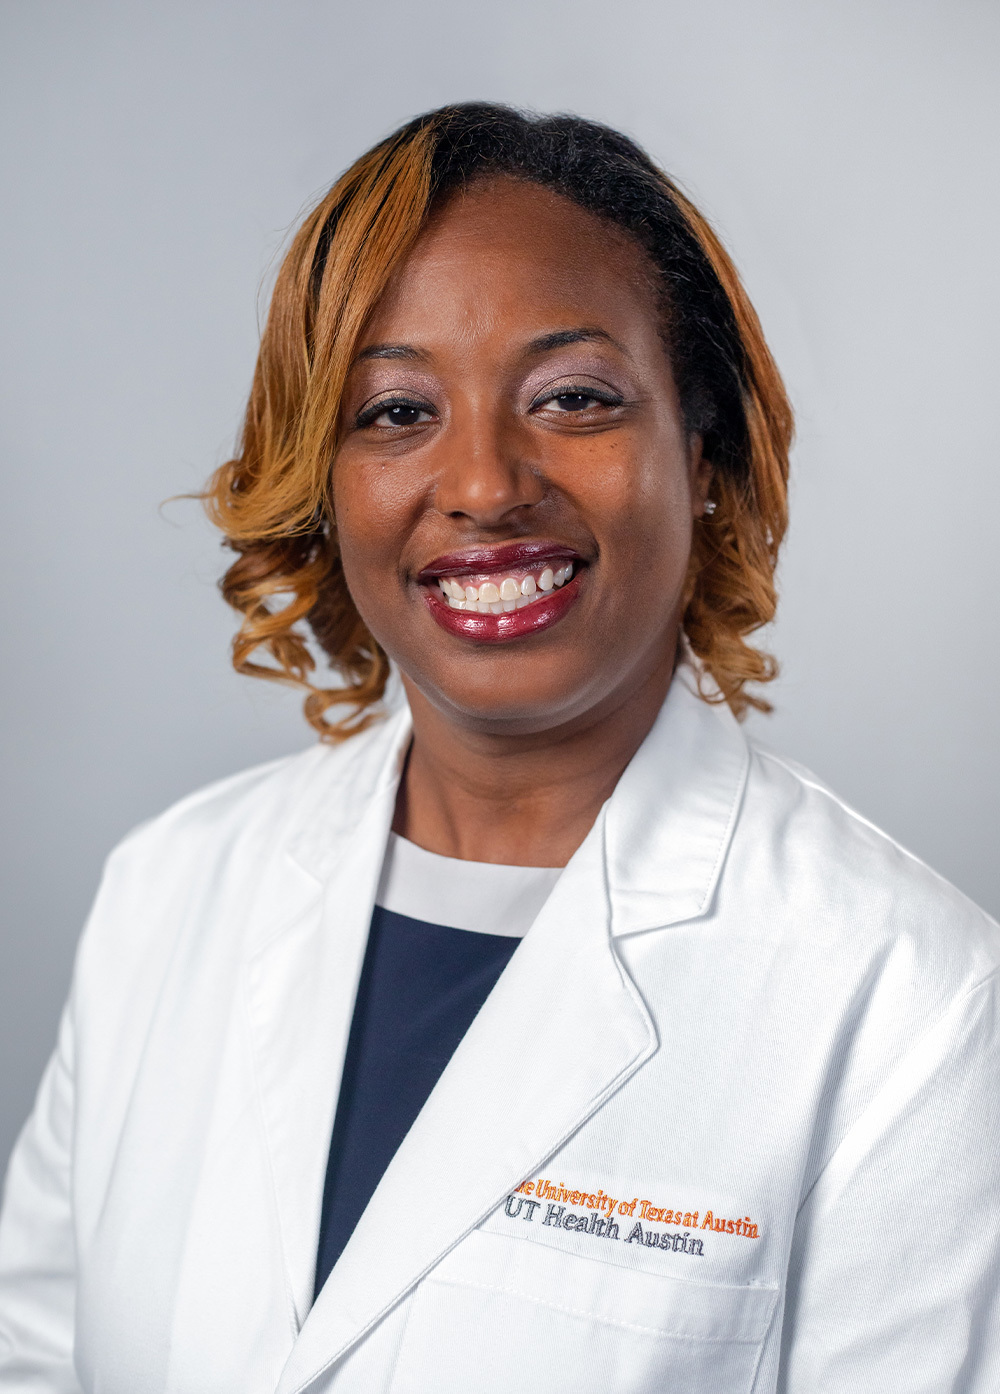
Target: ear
column 700, row 474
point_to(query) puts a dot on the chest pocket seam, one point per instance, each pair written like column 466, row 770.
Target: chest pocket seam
column 589, row 1315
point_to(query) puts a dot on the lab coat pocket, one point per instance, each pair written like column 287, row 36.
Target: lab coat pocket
column 499, row 1315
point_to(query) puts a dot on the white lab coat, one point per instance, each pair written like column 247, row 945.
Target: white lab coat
column 741, row 999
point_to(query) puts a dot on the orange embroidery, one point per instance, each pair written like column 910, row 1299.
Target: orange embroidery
column 607, row 1204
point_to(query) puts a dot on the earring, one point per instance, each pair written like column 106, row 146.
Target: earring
column 710, row 507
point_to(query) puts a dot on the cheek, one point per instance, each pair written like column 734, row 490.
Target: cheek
column 373, row 508
column 644, row 500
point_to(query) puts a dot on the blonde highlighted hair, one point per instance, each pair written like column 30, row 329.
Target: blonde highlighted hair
column 272, row 501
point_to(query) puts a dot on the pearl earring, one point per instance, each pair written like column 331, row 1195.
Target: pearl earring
column 710, row 507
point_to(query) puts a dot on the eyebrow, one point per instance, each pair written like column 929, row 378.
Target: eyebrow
column 545, row 343
column 389, row 351
column 562, row 337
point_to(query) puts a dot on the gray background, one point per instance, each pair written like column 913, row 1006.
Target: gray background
column 153, row 159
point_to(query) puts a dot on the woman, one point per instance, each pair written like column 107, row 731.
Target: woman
column 544, row 1034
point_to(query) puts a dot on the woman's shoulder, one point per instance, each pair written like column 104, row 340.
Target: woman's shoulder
column 266, row 805
column 858, row 886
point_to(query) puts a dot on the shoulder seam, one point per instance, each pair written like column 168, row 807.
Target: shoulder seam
column 845, row 807
column 806, row 781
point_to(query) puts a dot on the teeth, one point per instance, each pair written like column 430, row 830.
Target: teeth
column 489, row 598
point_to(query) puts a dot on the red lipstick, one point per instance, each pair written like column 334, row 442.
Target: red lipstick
column 499, row 629
column 507, row 570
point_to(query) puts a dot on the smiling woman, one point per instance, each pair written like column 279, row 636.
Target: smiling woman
column 382, row 1061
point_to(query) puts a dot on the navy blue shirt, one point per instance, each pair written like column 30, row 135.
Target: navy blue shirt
column 421, row 986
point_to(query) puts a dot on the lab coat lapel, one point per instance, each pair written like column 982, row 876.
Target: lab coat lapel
column 562, row 1030
column 672, row 815
column 300, row 986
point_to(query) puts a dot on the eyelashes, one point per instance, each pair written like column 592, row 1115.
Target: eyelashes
column 569, row 399
column 574, row 397
column 405, row 411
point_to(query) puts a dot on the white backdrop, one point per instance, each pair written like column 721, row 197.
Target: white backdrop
column 153, row 159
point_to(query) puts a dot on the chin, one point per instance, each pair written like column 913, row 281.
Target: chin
column 513, row 696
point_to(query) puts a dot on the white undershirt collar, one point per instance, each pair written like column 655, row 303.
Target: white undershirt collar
column 484, row 897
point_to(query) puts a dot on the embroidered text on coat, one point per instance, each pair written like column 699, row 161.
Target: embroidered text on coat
column 607, row 1205
column 600, row 1227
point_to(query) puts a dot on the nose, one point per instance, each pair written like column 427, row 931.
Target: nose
column 488, row 469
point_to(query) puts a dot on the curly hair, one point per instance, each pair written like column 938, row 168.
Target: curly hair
column 272, row 501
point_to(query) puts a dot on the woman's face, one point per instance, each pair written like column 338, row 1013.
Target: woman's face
column 515, row 487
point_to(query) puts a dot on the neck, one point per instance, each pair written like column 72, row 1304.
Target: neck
column 525, row 800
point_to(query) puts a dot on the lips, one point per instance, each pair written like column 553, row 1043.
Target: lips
column 496, row 594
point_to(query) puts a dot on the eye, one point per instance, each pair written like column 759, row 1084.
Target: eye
column 576, row 400
column 395, row 413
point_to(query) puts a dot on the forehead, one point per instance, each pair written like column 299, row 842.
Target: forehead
column 508, row 251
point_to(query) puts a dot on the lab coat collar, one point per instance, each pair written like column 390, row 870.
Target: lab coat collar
column 672, row 814
column 670, row 818
column 369, row 768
